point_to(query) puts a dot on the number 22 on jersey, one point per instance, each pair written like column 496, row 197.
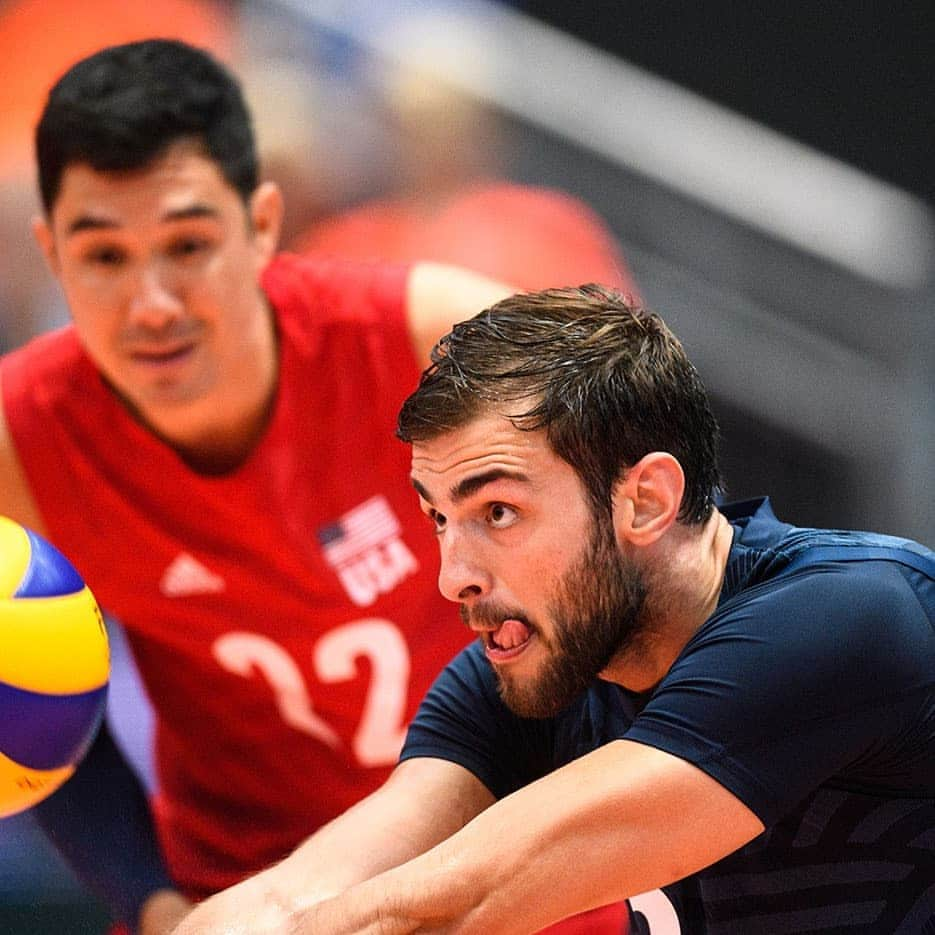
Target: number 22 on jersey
column 382, row 728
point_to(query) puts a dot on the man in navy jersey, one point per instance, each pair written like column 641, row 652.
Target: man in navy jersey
column 663, row 693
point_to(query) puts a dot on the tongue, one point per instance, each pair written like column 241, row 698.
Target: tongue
column 511, row 634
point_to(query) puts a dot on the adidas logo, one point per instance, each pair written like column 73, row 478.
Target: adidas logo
column 186, row 575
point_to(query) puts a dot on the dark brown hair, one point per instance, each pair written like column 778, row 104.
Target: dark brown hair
column 607, row 380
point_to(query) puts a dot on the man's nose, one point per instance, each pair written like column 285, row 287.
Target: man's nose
column 155, row 301
column 461, row 577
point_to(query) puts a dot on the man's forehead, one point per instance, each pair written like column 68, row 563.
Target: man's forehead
column 167, row 187
column 490, row 445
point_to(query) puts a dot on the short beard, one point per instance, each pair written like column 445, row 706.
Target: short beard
column 596, row 612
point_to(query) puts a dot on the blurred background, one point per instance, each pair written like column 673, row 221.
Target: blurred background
column 763, row 170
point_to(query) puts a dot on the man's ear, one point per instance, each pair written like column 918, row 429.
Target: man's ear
column 42, row 231
column 266, row 213
column 647, row 499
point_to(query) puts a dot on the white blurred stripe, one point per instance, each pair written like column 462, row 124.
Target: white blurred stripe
column 642, row 122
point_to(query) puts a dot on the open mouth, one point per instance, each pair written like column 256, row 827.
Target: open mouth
column 508, row 641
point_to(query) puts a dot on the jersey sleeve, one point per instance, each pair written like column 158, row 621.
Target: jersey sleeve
column 821, row 678
column 463, row 720
column 348, row 316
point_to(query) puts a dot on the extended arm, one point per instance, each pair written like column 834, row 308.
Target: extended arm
column 440, row 296
column 100, row 822
column 423, row 802
column 16, row 500
column 619, row 821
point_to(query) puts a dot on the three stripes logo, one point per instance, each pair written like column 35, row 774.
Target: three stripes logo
column 186, row 576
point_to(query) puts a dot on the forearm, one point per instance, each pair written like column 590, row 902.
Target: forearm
column 385, row 830
column 620, row 821
column 347, row 851
column 423, row 802
column 499, row 874
column 100, row 822
column 320, row 868
column 162, row 912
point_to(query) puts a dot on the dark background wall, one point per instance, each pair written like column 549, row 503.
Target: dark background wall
column 853, row 79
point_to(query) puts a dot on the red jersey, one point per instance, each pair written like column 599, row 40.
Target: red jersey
column 285, row 617
column 532, row 238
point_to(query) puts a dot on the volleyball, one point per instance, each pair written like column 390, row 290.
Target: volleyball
column 54, row 668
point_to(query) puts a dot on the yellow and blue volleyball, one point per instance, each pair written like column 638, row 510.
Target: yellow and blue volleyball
column 54, row 668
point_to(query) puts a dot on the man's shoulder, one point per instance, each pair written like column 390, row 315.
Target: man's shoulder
column 537, row 203
column 45, row 367
column 45, row 354
column 822, row 587
column 768, row 554
column 328, row 289
column 33, row 378
column 854, row 562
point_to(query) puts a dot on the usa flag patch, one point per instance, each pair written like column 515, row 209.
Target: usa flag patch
column 365, row 548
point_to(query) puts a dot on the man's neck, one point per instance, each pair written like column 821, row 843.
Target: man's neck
column 218, row 447
column 683, row 576
column 215, row 434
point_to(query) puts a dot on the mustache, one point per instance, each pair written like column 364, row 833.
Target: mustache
column 492, row 615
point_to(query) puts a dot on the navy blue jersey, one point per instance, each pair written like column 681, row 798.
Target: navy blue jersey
column 809, row 694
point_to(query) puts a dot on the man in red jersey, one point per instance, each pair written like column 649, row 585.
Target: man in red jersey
column 211, row 442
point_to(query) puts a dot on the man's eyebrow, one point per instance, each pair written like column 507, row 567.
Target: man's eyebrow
column 470, row 485
column 421, row 491
column 88, row 222
column 91, row 222
column 191, row 211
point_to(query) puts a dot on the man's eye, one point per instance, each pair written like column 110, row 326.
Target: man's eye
column 188, row 247
column 501, row 515
column 106, row 256
column 438, row 520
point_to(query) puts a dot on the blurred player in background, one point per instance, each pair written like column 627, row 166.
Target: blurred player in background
column 210, row 442
column 447, row 199
column 39, row 40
